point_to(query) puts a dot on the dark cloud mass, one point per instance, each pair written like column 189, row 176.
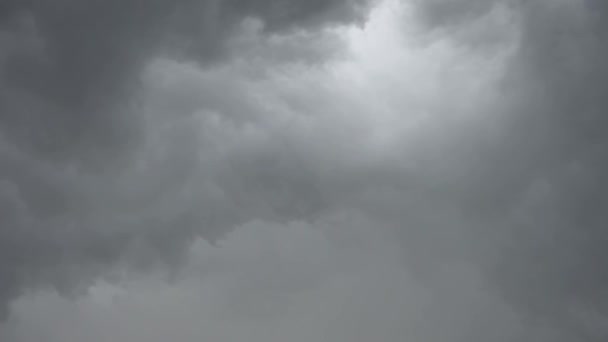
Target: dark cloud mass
column 71, row 127
column 125, row 132
column 562, row 61
column 76, row 58
column 544, row 182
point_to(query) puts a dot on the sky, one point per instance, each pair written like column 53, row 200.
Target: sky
column 290, row 170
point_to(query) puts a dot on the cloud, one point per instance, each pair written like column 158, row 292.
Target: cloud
column 332, row 280
column 80, row 60
column 541, row 177
column 448, row 153
column 86, row 168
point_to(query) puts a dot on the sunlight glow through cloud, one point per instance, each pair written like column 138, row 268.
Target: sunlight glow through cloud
column 284, row 170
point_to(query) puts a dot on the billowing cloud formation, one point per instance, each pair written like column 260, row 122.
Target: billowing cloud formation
column 77, row 59
column 334, row 280
column 543, row 180
column 461, row 139
column 81, row 164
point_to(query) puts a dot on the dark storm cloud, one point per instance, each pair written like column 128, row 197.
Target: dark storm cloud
column 79, row 184
column 90, row 52
column 517, row 191
column 562, row 63
column 437, row 13
column 538, row 193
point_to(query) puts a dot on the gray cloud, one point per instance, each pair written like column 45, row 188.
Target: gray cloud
column 332, row 280
column 543, row 180
column 473, row 137
column 88, row 54
column 87, row 173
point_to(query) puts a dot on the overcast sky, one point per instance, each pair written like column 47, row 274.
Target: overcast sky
column 299, row 170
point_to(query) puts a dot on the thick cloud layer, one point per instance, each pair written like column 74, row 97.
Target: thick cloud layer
column 462, row 140
column 543, row 181
column 79, row 59
column 85, row 169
